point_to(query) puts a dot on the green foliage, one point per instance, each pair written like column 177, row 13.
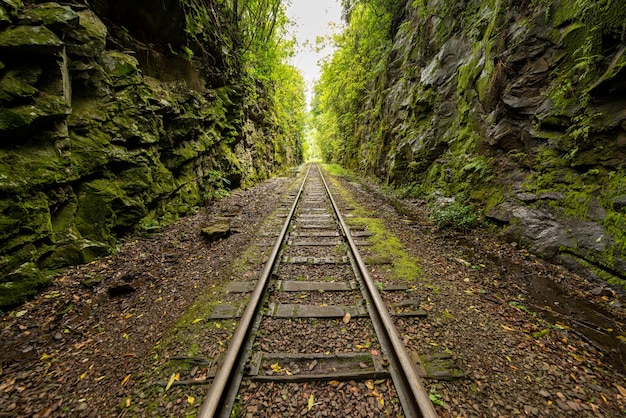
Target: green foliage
column 360, row 57
column 337, row 170
column 454, row 215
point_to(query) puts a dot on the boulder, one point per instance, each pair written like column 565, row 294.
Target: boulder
column 21, row 283
column 89, row 38
column 52, row 15
column 27, row 40
column 45, row 108
column 12, row 86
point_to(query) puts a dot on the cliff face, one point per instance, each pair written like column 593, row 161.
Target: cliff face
column 120, row 115
column 518, row 107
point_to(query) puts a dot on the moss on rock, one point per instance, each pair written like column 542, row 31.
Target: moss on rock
column 21, row 283
column 25, row 40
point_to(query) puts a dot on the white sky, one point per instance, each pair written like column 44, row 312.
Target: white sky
column 312, row 19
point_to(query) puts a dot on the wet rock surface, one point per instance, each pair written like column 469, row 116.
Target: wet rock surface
column 103, row 133
column 484, row 102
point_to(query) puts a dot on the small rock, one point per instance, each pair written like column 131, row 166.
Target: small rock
column 597, row 291
column 216, row 231
column 91, row 281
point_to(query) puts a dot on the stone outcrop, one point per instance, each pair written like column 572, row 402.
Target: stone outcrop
column 111, row 118
column 517, row 107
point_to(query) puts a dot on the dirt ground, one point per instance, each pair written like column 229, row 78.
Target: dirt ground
column 89, row 344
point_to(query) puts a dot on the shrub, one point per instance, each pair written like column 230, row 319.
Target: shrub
column 455, row 215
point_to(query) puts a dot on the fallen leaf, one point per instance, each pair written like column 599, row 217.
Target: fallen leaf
column 346, row 317
column 369, row 384
column 127, row 402
column 190, row 400
column 577, row 357
column 218, row 325
column 507, row 328
column 461, row 261
column 195, row 321
column 621, row 389
column 125, row 380
column 20, row 313
column 541, row 333
column 174, row 377
column 311, row 401
column 334, row 383
column 275, row 367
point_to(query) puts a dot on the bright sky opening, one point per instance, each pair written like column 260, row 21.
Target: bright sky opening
column 312, row 19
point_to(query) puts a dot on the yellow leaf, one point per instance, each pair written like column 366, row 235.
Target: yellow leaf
column 127, row 402
column 174, row 377
column 97, row 379
column 359, row 346
column 334, row 383
column 621, row 389
column 195, row 321
column 509, row 359
column 507, row 328
column 577, row 357
column 369, row 384
column 275, row 367
column 125, row 380
column 84, row 375
column 311, row 401
column 346, row 317
column 218, row 325
column 129, row 316
column 288, row 373
column 190, row 400
column 604, row 398
column 43, row 357
column 382, row 401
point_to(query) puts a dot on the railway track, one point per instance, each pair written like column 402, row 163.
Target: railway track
column 315, row 317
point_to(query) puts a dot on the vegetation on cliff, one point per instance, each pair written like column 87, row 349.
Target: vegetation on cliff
column 516, row 108
column 123, row 115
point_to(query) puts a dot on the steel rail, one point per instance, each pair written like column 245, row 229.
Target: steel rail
column 226, row 372
column 409, row 372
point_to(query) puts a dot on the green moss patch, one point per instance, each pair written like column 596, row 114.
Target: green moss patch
column 384, row 243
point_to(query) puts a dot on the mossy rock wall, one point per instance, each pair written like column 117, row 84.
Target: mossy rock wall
column 105, row 127
column 517, row 107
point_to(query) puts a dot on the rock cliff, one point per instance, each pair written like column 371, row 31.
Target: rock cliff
column 517, row 107
column 113, row 116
